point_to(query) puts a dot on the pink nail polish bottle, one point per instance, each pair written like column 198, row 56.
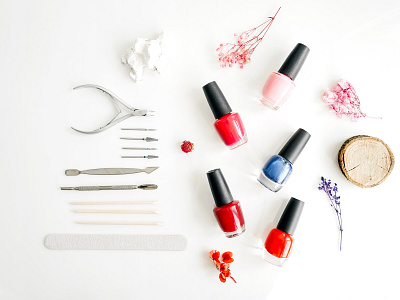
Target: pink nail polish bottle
column 280, row 84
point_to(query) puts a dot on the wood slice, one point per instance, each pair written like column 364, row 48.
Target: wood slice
column 365, row 161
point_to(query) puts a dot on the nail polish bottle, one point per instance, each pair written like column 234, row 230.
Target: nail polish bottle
column 278, row 245
column 278, row 168
column 280, row 84
column 228, row 212
column 229, row 125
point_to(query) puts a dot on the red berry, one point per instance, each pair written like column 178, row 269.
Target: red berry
column 187, row 146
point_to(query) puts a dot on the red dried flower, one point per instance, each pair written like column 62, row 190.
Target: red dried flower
column 214, row 254
column 227, row 257
column 187, row 146
column 223, row 267
column 240, row 53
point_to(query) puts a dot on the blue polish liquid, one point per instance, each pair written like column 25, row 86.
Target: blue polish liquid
column 278, row 169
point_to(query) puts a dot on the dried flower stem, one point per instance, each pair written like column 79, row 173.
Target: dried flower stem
column 241, row 52
column 223, row 265
column 334, row 198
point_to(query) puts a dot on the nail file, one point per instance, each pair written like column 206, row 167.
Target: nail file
column 115, row 242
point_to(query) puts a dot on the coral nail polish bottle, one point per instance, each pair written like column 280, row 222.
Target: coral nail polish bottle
column 228, row 212
column 229, row 125
column 278, row 245
column 280, row 84
column 278, row 168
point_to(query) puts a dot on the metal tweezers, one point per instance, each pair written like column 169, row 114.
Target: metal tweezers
column 115, row 120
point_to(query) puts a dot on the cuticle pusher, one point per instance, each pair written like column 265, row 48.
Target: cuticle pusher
column 110, row 171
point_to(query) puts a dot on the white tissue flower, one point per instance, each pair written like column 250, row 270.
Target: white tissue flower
column 150, row 54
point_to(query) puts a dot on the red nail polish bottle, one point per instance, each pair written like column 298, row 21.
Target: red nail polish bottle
column 227, row 211
column 229, row 125
column 279, row 242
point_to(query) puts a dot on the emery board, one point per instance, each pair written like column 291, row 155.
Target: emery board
column 115, row 242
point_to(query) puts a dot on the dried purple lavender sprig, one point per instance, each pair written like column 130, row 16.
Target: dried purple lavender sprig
column 331, row 191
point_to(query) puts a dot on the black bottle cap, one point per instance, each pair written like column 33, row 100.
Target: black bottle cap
column 295, row 145
column 294, row 61
column 291, row 216
column 219, row 188
column 216, row 100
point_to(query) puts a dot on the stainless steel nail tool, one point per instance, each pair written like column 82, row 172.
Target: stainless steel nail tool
column 147, row 139
column 135, row 148
column 138, row 156
column 116, row 100
column 139, row 129
column 111, row 187
column 109, row 171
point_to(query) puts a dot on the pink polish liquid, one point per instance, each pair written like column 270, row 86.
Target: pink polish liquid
column 276, row 90
column 280, row 84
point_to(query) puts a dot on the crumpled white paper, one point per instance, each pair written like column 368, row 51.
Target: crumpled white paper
column 148, row 54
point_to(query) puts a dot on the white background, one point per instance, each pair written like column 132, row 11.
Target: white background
column 49, row 47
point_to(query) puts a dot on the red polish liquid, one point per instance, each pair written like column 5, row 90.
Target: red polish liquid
column 231, row 130
column 279, row 243
column 230, row 218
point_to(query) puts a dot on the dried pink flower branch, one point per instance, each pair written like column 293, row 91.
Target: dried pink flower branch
column 240, row 53
column 343, row 100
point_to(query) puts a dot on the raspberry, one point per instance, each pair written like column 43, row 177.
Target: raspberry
column 187, row 146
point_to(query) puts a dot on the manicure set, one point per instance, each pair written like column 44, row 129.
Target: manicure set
column 130, row 112
column 230, row 128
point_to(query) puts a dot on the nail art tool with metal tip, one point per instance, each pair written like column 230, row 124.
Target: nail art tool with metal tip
column 143, row 156
column 133, row 148
column 110, row 171
column 116, row 100
column 111, row 187
column 139, row 129
column 147, row 139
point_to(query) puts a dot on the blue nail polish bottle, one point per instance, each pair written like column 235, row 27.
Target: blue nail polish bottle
column 278, row 168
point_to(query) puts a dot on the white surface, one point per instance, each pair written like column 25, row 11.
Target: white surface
column 48, row 47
